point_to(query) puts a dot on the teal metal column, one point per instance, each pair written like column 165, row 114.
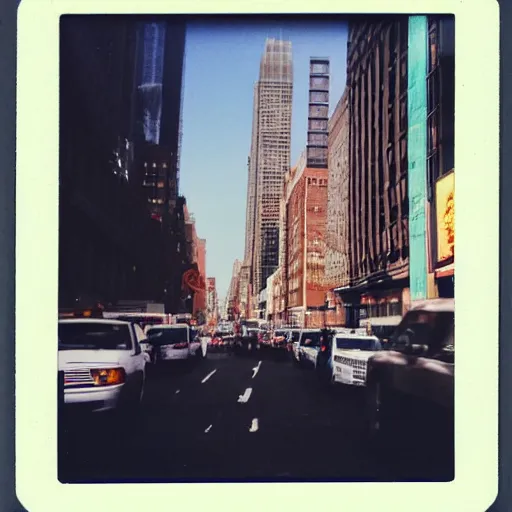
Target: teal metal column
column 417, row 154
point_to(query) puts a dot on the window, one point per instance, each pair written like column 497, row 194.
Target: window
column 97, row 336
column 319, row 82
column 318, row 111
column 318, row 97
column 167, row 336
column 319, row 67
column 426, row 328
column 317, row 124
column 319, row 139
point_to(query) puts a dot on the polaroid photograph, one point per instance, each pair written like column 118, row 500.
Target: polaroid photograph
column 236, row 255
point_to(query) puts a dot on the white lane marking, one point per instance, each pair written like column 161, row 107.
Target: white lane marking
column 208, row 376
column 177, row 391
column 208, row 429
column 242, row 399
column 254, row 425
column 256, row 369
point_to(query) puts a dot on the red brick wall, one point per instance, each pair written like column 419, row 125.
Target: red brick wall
column 316, row 229
column 200, row 297
column 295, row 245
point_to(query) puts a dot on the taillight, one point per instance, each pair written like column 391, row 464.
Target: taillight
column 180, row 345
column 108, row 376
column 323, row 349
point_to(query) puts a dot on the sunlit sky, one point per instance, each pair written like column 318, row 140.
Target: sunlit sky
column 221, row 67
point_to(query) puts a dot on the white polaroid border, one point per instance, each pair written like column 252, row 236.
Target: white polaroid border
column 476, row 156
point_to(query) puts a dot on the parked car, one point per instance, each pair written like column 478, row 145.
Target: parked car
column 308, row 347
column 349, row 357
column 176, row 342
column 101, row 365
column 410, row 387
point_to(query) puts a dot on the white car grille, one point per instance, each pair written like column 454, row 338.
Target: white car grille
column 78, row 377
column 358, row 366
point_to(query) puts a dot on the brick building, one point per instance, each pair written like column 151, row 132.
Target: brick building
column 306, row 214
column 212, row 303
column 200, row 297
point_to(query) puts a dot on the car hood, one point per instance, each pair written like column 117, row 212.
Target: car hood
column 89, row 358
column 361, row 355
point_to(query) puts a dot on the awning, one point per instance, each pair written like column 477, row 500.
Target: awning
column 446, row 271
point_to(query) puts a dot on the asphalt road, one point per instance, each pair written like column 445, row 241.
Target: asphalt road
column 232, row 419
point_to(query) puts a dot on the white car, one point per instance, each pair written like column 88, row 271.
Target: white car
column 176, row 342
column 350, row 355
column 101, row 364
column 307, row 348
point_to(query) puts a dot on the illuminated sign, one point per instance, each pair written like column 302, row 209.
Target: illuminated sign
column 445, row 213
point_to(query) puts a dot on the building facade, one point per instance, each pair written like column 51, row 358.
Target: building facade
column 102, row 205
column 440, row 154
column 378, row 195
column 269, row 160
column 200, row 295
column 337, row 272
column 212, row 303
column 244, row 291
column 306, row 217
column 233, row 295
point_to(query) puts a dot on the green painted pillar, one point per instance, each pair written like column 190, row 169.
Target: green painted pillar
column 417, row 154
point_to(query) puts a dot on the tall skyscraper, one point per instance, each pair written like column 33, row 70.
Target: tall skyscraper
column 269, row 160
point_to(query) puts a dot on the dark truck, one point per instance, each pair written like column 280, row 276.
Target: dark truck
column 409, row 399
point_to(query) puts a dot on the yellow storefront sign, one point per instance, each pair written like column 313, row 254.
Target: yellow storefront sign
column 445, row 211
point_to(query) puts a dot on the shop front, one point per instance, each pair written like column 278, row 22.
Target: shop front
column 374, row 302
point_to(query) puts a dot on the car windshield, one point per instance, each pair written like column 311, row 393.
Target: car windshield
column 311, row 339
column 277, row 334
column 94, row 336
column 343, row 343
column 158, row 336
column 424, row 327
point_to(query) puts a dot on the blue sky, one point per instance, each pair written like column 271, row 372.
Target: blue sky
column 221, row 67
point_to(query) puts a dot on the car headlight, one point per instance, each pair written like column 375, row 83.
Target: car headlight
column 108, row 376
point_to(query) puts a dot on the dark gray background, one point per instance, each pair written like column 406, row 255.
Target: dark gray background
column 8, row 501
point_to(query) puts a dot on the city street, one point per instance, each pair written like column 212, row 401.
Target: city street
column 234, row 418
